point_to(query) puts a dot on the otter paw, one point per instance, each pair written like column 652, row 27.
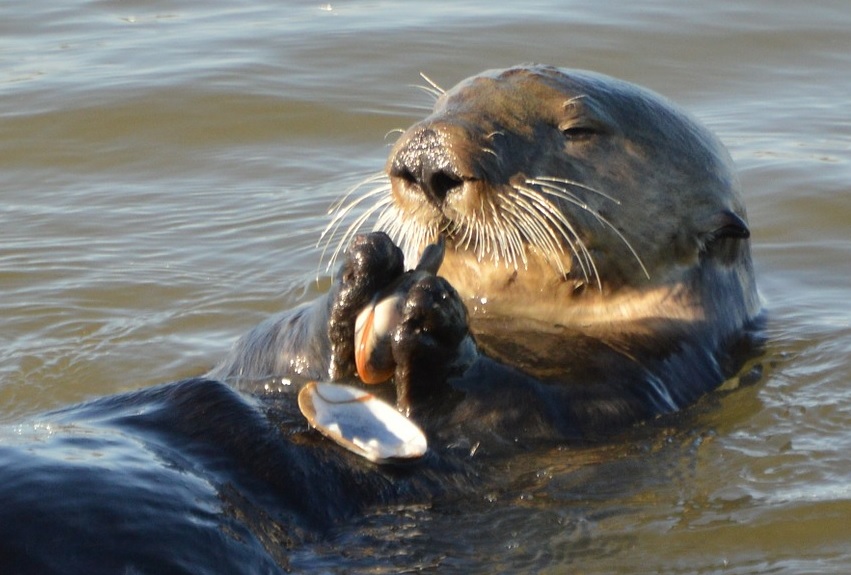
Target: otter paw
column 372, row 261
column 430, row 343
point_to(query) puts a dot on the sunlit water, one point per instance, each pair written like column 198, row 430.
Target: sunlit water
column 165, row 173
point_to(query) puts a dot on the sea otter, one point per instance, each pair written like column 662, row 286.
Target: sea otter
column 596, row 273
column 597, row 262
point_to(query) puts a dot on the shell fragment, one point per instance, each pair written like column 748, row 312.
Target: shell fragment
column 361, row 422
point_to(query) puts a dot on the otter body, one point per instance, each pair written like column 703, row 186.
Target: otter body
column 597, row 273
column 596, row 240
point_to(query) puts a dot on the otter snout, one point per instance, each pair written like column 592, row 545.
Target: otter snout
column 440, row 158
column 423, row 159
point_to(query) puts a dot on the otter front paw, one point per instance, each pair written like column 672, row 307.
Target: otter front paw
column 372, row 261
column 430, row 343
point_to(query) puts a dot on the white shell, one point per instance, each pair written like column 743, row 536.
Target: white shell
column 373, row 356
column 361, row 422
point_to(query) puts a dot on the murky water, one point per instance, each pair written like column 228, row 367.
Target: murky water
column 165, row 171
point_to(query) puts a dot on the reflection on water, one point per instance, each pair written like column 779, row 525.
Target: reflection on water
column 166, row 170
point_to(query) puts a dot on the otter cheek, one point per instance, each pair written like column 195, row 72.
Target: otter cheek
column 373, row 354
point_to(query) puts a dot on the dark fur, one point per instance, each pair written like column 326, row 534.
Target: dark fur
column 222, row 474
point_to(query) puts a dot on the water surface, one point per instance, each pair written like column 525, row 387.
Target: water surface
column 166, row 169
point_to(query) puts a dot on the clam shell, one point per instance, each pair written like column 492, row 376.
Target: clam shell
column 361, row 422
column 373, row 354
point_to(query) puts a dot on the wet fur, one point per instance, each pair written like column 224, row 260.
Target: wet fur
column 221, row 474
column 595, row 233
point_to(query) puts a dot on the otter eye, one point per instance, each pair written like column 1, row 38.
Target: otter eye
column 578, row 131
column 581, row 119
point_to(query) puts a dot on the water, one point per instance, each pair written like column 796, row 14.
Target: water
column 165, row 171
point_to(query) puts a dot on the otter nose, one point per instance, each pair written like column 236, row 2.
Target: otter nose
column 425, row 161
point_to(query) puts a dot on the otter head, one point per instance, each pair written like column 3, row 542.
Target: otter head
column 566, row 195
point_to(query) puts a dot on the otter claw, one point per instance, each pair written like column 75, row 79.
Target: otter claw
column 373, row 354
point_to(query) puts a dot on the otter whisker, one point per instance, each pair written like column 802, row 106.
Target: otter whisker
column 351, row 230
column 622, row 238
column 534, row 212
column 514, row 223
column 408, row 235
column 535, row 231
column 343, row 207
column 500, row 249
column 466, row 235
column 571, row 235
column 389, row 220
column 535, row 236
column 555, row 191
column 476, row 234
column 399, row 131
column 376, row 177
column 343, row 210
column 549, row 242
column 559, row 192
column 491, row 152
column 493, row 235
column 479, row 238
column 434, row 85
column 430, row 91
column 546, row 180
column 571, row 101
column 559, row 223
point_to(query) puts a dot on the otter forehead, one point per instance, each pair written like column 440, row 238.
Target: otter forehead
column 520, row 98
column 502, row 99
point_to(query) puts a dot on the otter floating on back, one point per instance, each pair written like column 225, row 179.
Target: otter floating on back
column 596, row 273
column 597, row 268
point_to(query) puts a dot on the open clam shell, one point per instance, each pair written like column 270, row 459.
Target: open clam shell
column 361, row 422
column 373, row 355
